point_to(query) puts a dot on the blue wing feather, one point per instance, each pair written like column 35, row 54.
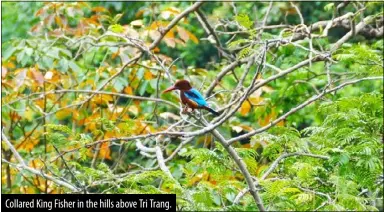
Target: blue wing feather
column 195, row 95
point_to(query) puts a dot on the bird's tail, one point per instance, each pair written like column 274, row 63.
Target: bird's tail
column 212, row 111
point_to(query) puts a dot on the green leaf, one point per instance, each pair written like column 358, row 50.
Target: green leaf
column 244, row 52
column 74, row 66
column 119, row 84
column 63, row 65
column 329, row 6
column 54, row 53
column 28, row 51
column 117, row 28
column 25, row 60
column 244, row 20
column 236, row 43
column 230, row 196
column 9, row 52
column 117, row 17
column 66, row 52
column 143, row 87
column 20, row 56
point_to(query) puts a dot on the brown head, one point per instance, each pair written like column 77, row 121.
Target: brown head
column 182, row 85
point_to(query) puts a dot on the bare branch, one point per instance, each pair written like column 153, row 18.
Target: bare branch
column 211, row 32
column 13, row 150
column 342, row 40
column 298, row 12
column 143, row 148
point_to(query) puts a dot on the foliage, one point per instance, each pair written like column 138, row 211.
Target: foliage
column 77, row 107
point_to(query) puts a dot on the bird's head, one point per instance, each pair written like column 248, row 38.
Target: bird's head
column 182, row 85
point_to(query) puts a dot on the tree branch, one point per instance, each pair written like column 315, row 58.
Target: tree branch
column 94, row 92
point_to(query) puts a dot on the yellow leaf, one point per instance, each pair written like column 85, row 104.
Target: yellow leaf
column 40, row 103
column 28, row 145
column 246, row 128
column 36, row 163
column 156, row 24
column 194, row 180
column 173, row 10
column 66, row 81
column 76, row 114
column 109, row 134
column 170, row 42
column 133, row 109
column 255, row 100
column 139, row 13
column 128, row 90
column 62, row 114
column 99, row 9
column 40, row 11
column 246, row 145
column 102, row 99
column 37, row 76
column 245, row 108
column 58, row 21
column 193, row 37
column 105, row 152
column 30, row 190
column 205, row 139
column 268, row 118
column 170, row 34
column 117, row 53
column 280, row 123
column 183, row 34
column 178, row 41
column 148, row 75
column 28, row 114
column 9, row 64
column 156, row 49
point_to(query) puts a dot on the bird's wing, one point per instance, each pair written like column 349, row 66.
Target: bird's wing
column 195, row 96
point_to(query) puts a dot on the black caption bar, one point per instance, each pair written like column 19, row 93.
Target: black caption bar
column 159, row 202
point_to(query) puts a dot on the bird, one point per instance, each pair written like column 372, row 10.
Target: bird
column 190, row 97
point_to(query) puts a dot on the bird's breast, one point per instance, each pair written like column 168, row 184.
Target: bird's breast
column 189, row 102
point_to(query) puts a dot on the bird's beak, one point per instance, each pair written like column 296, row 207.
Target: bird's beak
column 169, row 89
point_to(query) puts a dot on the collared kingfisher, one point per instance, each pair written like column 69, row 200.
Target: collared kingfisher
column 190, row 97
